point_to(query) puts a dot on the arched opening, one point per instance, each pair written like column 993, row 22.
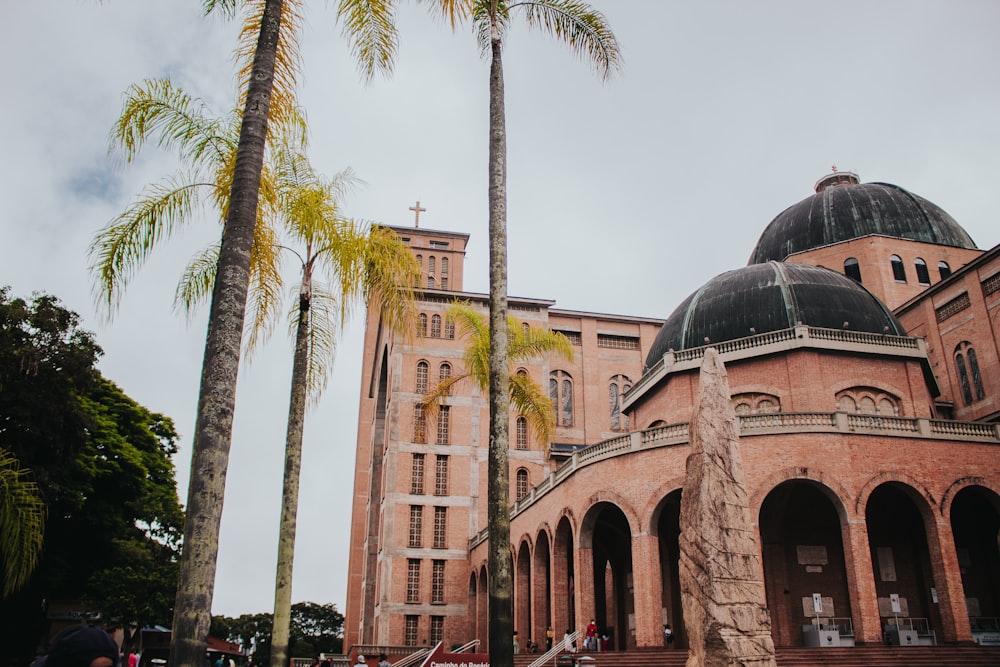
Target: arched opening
column 803, row 551
column 472, row 622
column 522, row 594
column 901, row 562
column 541, row 600
column 898, row 270
column 483, row 612
column 975, row 524
column 614, row 601
column 923, row 275
column 852, row 269
column 669, row 530
column 563, row 578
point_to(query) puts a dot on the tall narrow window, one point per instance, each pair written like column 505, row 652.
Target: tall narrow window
column 444, row 372
column 419, row 425
column 619, row 385
column 437, row 582
column 521, row 431
column 441, row 476
column 440, row 527
column 449, row 328
column 969, row 378
column 430, row 264
column 437, row 630
column 430, row 282
column 422, row 326
column 561, row 394
column 421, row 377
column 444, row 282
column 521, row 484
column 420, row 263
column 412, row 583
column 416, row 525
column 923, row 276
column 944, row 270
column 852, row 269
column 898, row 270
column 410, row 632
column 417, row 475
column 444, row 266
column 442, row 427
column 436, row 326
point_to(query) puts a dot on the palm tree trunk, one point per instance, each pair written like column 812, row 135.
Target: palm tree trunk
column 290, row 491
column 501, row 622
column 217, row 397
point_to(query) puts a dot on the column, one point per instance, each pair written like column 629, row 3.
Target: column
column 948, row 582
column 861, row 582
column 647, row 587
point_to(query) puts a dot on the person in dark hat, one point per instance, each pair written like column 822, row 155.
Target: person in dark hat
column 81, row 646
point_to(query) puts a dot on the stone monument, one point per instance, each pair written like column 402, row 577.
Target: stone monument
column 722, row 590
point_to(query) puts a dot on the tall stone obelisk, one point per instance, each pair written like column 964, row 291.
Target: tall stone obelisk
column 722, row 591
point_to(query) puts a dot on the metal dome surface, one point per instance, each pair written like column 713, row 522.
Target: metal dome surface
column 848, row 211
column 770, row 297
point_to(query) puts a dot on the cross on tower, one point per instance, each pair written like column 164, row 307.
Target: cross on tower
column 416, row 210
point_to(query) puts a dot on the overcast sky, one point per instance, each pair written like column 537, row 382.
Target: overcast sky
column 623, row 197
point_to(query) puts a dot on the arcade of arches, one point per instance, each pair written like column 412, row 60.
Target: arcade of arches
column 858, row 553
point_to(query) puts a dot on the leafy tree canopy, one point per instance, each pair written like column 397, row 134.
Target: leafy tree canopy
column 102, row 463
column 315, row 628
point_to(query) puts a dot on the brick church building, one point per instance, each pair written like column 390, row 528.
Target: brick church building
column 862, row 343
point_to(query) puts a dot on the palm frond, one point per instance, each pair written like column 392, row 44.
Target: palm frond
column 436, row 395
column 529, row 399
column 471, row 324
column 370, row 26
column 197, row 281
column 390, row 272
column 323, row 313
column 126, row 242
column 453, row 11
column 266, row 287
column 487, row 17
column 283, row 111
column 156, row 108
column 22, row 523
column 527, row 343
column 584, row 29
column 227, row 7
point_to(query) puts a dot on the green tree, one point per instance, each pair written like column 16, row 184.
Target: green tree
column 524, row 344
column 22, row 524
column 362, row 264
column 588, row 34
column 315, row 628
column 102, row 466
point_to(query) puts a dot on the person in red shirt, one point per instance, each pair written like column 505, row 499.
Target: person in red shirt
column 590, row 641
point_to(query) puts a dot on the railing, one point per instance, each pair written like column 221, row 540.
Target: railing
column 468, row 646
column 414, row 658
column 843, row 625
column 557, row 648
column 919, row 625
column 672, row 435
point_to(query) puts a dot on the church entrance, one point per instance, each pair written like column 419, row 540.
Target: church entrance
column 975, row 524
column 805, row 577
column 668, row 531
column 614, row 602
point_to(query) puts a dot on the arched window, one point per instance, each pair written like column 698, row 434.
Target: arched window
column 421, row 377
column 422, row 327
column 419, row 425
column 521, row 431
column 420, row 263
column 449, row 328
column 969, row 379
column 444, row 372
column 923, row 276
column 444, row 266
column 619, row 385
column 522, row 483
column 944, row 270
column 754, row 403
column 436, row 326
column 430, row 264
column 898, row 270
column 561, row 393
column 852, row 269
column 525, row 329
column 867, row 401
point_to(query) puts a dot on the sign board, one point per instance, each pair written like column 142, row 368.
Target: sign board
column 818, row 603
column 439, row 658
column 894, row 603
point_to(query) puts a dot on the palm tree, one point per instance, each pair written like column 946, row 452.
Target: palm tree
column 22, row 524
column 524, row 344
column 587, row 33
column 365, row 264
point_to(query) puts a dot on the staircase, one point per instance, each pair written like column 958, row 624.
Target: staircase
column 857, row 656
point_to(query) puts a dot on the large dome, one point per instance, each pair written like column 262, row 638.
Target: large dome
column 770, row 297
column 843, row 209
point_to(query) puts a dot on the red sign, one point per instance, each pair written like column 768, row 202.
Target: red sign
column 438, row 658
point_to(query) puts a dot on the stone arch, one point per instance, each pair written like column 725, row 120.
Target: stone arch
column 564, row 572
column 657, row 500
column 948, row 497
column 665, row 527
column 541, row 592
column 605, row 555
column 522, row 590
column 828, row 484
column 605, row 496
column 974, row 516
column 913, row 487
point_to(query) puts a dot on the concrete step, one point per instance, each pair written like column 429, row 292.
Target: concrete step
column 859, row 656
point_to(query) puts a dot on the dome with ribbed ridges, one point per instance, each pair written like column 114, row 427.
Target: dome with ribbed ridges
column 770, row 297
column 844, row 209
